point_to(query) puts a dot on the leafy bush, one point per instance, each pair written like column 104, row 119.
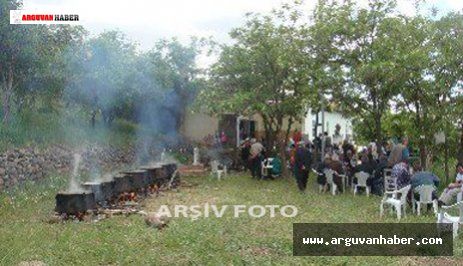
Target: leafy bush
column 71, row 126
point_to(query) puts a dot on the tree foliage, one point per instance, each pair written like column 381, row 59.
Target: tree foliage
column 264, row 72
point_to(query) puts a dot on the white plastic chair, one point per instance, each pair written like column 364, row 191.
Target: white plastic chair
column 397, row 203
column 267, row 167
column 444, row 217
column 362, row 182
column 390, row 182
column 329, row 174
column 215, row 171
column 425, row 192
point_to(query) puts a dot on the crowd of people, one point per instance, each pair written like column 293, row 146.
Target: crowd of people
column 345, row 161
column 253, row 154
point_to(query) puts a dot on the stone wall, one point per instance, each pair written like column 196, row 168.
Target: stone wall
column 33, row 163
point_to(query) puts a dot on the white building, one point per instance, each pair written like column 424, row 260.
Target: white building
column 198, row 126
column 331, row 120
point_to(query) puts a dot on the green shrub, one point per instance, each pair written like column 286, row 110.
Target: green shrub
column 71, row 126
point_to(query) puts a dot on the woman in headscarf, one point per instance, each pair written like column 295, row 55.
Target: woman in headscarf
column 396, row 155
column 399, row 164
column 401, row 171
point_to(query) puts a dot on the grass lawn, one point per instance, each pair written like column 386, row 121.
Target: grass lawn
column 25, row 234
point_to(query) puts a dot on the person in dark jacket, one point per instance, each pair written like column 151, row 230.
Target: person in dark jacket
column 336, row 165
column 245, row 153
column 366, row 166
column 320, row 167
column 302, row 165
column 377, row 182
column 372, row 161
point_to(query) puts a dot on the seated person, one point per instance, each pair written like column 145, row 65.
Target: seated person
column 372, row 161
column 377, row 181
column 367, row 167
column 320, row 167
column 452, row 189
column 336, row 165
column 423, row 178
column 402, row 173
column 276, row 166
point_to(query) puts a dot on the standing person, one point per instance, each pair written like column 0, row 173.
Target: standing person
column 245, row 153
column 347, row 146
column 292, row 156
column 373, row 150
column 255, row 158
column 303, row 162
column 317, row 142
column 223, row 139
column 297, row 136
column 405, row 149
column 396, row 155
column 337, row 138
column 328, row 142
column 387, row 148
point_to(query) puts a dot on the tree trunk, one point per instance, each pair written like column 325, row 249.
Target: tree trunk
column 270, row 137
column 272, row 140
column 423, row 153
column 7, row 93
column 269, row 132
column 92, row 119
column 460, row 147
column 377, row 112
column 378, row 131
column 282, row 148
column 315, row 131
column 446, row 160
column 282, row 153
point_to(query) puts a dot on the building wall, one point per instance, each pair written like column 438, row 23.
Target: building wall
column 331, row 119
column 260, row 124
column 197, row 126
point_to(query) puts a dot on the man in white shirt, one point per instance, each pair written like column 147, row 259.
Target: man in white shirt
column 256, row 158
column 453, row 189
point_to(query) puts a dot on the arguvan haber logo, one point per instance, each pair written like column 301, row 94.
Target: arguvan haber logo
column 37, row 17
column 34, row 17
column 50, row 18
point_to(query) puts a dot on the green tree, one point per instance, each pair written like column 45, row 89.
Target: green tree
column 447, row 72
column 173, row 70
column 103, row 65
column 19, row 54
column 418, row 96
column 31, row 61
column 265, row 72
column 364, row 43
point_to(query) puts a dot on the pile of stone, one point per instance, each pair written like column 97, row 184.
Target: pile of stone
column 33, row 163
